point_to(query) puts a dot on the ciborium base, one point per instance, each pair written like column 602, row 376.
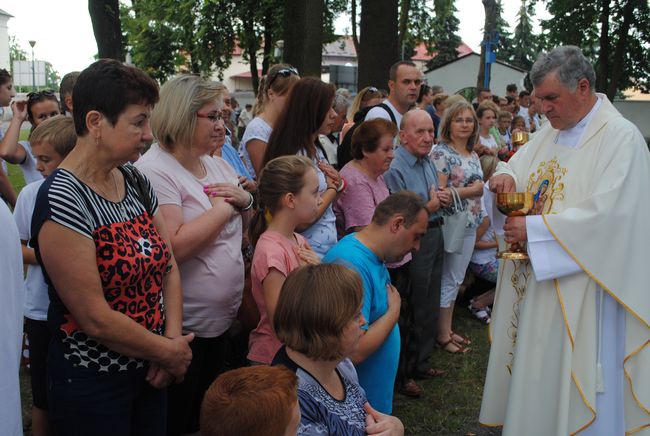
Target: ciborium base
column 508, row 255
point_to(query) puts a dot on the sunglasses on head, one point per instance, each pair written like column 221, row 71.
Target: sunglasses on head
column 370, row 93
column 283, row 72
column 37, row 95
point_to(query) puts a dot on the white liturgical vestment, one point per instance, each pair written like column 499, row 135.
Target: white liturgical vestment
column 570, row 328
column 12, row 292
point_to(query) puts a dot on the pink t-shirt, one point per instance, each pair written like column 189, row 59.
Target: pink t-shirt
column 273, row 250
column 212, row 279
column 357, row 203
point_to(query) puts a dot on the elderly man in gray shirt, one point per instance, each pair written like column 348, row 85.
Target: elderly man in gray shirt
column 419, row 280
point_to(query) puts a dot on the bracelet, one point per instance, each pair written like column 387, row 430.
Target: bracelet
column 341, row 186
column 250, row 204
column 332, row 188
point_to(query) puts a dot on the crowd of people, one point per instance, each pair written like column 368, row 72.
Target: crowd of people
column 280, row 269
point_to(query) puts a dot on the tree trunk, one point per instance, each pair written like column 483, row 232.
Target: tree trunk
column 404, row 7
column 105, row 18
column 353, row 21
column 269, row 43
column 378, row 46
column 603, row 53
column 251, row 50
column 489, row 29
column 303, row 35
column 621, row 44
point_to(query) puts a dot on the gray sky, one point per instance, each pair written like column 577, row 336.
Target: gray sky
column 64, row 35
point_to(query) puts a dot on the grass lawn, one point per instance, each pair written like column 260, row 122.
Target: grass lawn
column 16, row 177
column 15, row 174
column 451, row 404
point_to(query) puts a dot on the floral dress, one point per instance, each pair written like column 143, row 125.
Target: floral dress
column 461, row 171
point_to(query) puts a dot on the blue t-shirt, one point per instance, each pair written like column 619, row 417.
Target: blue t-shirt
column 230, row 155
column 376, row 373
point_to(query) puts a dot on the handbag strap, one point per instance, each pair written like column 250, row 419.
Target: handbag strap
column 138, row 182
column 458, row 203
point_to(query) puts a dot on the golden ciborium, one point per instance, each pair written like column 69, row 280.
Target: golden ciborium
column 519, row 138
column 514, row 204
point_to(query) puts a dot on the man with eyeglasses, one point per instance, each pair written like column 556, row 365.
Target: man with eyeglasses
column 404, row 81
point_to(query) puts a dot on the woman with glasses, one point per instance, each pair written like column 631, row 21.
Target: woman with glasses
column 39, row 107
column 203, row 206
column 458, row 168
column 309, row 113
column 270, row 104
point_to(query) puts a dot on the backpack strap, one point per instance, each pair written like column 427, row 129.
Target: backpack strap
column 385, row 107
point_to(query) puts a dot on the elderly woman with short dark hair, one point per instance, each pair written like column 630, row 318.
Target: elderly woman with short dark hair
column 372, row 152
column 106, row 256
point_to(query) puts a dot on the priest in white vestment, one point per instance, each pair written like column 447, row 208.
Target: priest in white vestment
column 570, row 328
column 12, row 296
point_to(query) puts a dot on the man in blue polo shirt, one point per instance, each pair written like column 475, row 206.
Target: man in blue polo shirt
column 396, row 228
column 419, row 280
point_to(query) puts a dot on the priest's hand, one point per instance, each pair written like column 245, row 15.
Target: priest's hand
column 514, row 229
column 502, row 183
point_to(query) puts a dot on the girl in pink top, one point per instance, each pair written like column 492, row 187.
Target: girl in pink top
column 289, row 198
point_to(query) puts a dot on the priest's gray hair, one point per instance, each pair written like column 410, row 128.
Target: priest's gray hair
column 568, row 63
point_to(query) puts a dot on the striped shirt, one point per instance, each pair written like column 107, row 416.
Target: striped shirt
column 131, row 260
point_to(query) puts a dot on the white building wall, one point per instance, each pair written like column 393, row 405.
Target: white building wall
column 462, row 73
column 4, row 42
column 638, row 112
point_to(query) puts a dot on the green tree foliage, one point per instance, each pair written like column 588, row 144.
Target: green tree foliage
column 444, row 28
column 573, row 22
column 505, row 50
column 613, row 34
column 415, row 22
column 333, row 8
column 525, row 44
column 16, row 53
column 52, row 78
column 167, row 36
column 258, row 27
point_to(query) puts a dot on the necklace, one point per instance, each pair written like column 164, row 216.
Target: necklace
column 116, row 195
column 107, row 195
column 119, row 201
